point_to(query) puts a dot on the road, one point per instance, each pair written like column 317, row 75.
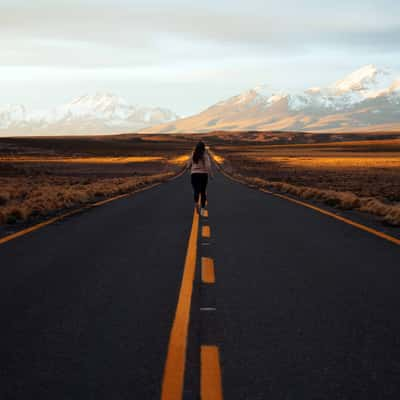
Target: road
column 266, row 300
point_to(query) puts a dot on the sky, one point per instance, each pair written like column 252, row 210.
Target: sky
column 186, row 55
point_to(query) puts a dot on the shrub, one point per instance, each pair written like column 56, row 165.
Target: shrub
column 390, row 213
column 39, row 196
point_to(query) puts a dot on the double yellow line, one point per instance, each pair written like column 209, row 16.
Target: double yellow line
column 174, row 370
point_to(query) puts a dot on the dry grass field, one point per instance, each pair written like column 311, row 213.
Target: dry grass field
column 44, row 176
column 363, row 175
column 41, row 177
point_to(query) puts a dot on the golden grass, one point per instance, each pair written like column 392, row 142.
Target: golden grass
column 180, row 160
column 22, row 198
column 218, row 159
column 42, row 176
column 362, row 175
column 38, row 186
column 336, row 162
column 390, row 213
column 355, row 143
column 81, row 160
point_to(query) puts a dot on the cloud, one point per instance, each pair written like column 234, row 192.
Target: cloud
column 158, row 49
column 128, row 33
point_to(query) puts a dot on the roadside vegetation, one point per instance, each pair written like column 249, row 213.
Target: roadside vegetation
column 42, row 177
column 362, row 175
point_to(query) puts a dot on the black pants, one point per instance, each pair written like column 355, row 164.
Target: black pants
column 199, row 183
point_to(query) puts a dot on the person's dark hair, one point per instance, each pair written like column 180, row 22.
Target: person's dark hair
column 198, row 153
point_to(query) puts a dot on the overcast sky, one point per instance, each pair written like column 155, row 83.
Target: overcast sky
column 186, row 55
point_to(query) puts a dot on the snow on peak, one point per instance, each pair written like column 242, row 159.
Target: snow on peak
column 362, row 79
column 261, row 95
column 391, row 90
column 263, row 90
column 313, row 90
column 364, row 83
column 105, row 104
column 13, row 109
column 275, row 98
column 104, row 110
column 98, row 98
column 246, row 96
column 11, row 114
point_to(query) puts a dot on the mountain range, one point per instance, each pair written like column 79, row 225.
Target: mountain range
column 368, row 100
column 100, row 113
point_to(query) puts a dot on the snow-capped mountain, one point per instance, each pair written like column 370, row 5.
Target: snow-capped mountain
column 11, row 114
column 366, row 99
column 100, row 113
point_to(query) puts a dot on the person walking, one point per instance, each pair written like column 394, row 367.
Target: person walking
column 200, row 168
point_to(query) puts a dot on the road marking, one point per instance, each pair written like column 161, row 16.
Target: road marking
column 205, row 231
column 343, row 219
column 37, row 226
column 205, row 213
column 210, row 375
column 208, row 309
column 50, row 221
column 207, row 270
column 174, row 370
column 322, row 211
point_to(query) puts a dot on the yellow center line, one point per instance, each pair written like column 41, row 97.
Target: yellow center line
column 210, row 374
column 174, row 370
column 205, row 213
column 205, row 231
column 207, row 270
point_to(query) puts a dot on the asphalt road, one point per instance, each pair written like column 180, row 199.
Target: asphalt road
column 303, row 306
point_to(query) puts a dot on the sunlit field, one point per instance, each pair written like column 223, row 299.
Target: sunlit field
column 362, row 175
column 42, row 177
column 337, row 162
column 80, row 160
